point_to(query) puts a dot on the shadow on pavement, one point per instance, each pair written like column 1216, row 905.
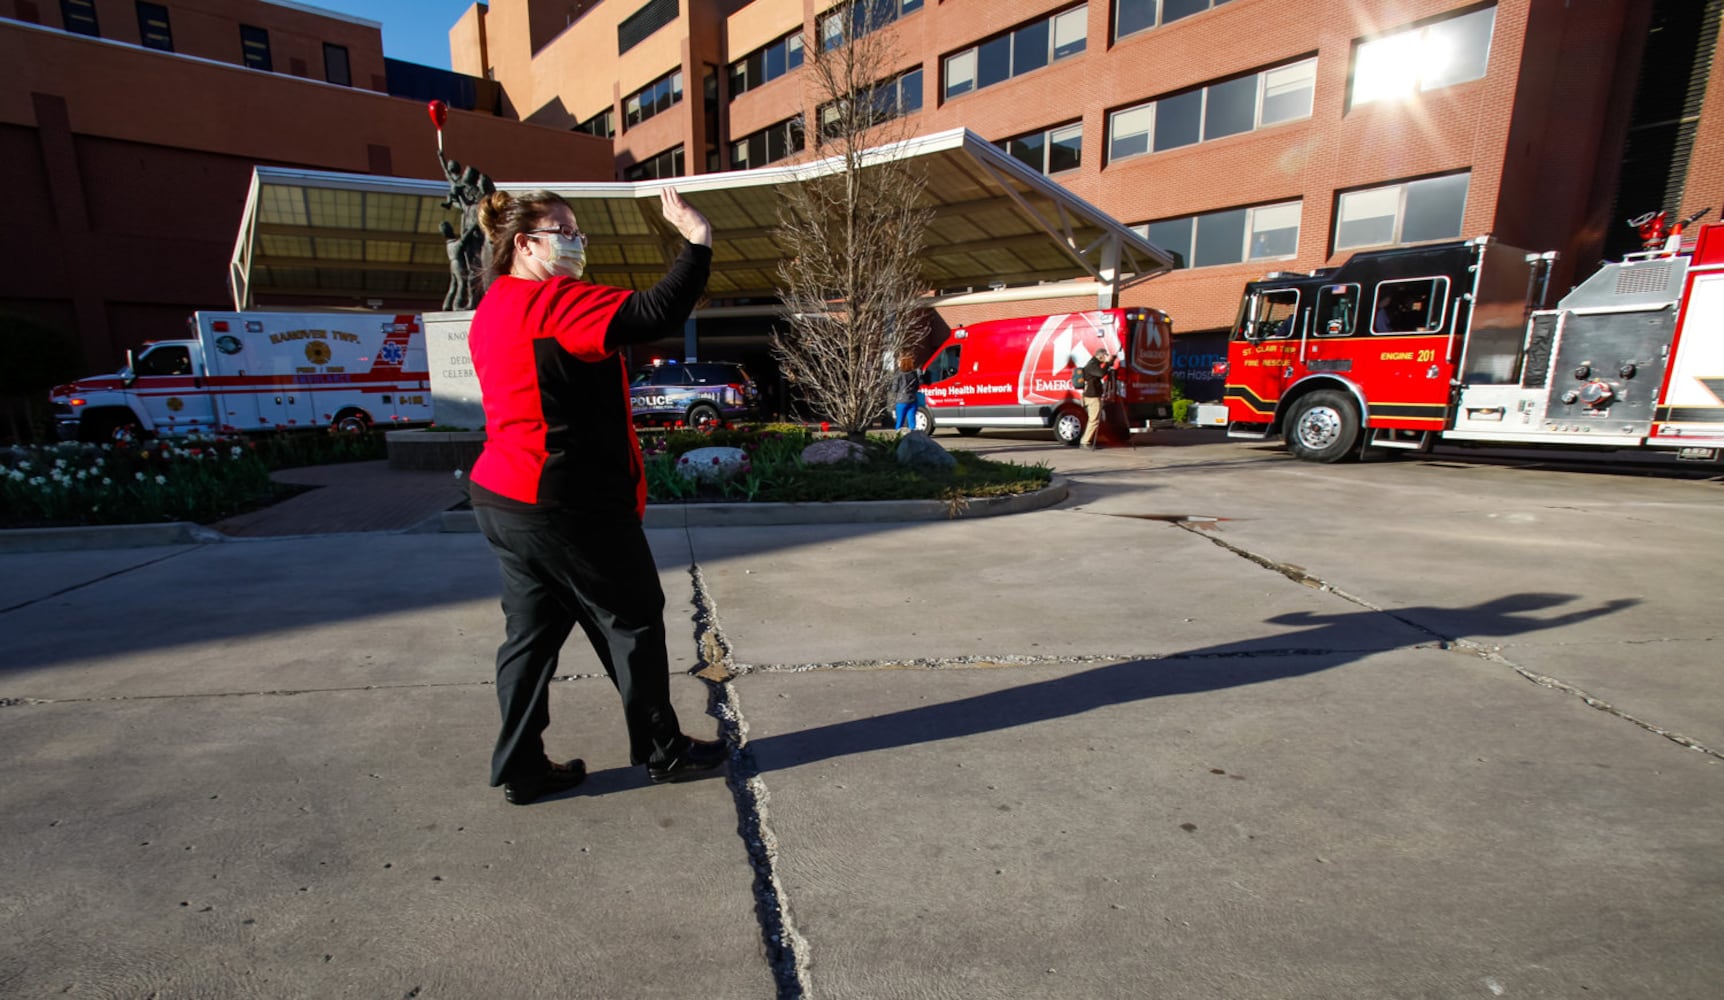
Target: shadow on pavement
column 1330, row 640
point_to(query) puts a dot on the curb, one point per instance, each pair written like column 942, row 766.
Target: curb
column 106, row 536
column 694, row 515
column 748, row 515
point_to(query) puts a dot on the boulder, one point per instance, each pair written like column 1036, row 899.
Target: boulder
column 712, row 465
column 832, row 451
column 919, row 451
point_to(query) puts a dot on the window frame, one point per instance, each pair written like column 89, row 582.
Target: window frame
column 972, row 53
column 1416, row 36
column 795, row 125
column 329, row 49
column 80, row 11
column 1152, row 108
column 675, row 157
column 742, row 67
column 1188, row 253
column 1400, row 216
column 1158, row 21
column 829, row 24
column 248, row 35
column 1048, row 140
column 672, row 96
column 1348, row 291
column 147, row 9
column 1433, row 282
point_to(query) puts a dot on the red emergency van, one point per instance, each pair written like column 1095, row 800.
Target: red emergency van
column 1017, row 373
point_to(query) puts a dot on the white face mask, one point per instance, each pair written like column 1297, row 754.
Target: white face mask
column 568, row 255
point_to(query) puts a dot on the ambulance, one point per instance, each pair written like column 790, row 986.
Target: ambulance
column 258, row 371
column 1017, row 373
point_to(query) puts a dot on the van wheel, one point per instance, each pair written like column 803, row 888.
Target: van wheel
column 1068, row 426
column 922, row 421
column 969, row 432
column 1323, row 427
column 703, row 415
column 352, row 422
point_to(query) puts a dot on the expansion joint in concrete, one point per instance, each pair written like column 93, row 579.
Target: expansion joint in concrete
column 81, row 584
column 786, row 950
column 1464, row 645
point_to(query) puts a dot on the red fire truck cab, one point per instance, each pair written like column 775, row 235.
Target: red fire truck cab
column 1448, row 342
column 1017, row 373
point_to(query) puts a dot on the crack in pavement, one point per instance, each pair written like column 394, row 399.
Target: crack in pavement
column 786, row 950
column 98, row 579
column 1479, row 650
column 10, row 702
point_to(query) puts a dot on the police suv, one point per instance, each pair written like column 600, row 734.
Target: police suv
column 695, row 394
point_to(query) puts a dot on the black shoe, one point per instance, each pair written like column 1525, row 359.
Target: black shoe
column 699, row 757
column 554, row 778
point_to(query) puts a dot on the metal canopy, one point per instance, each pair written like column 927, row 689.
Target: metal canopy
column 342, row 238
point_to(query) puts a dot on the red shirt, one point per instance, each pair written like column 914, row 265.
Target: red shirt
column 558, row 425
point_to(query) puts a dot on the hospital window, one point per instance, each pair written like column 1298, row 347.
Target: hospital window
column 1413, row 212
column 1024, row 49
column 1453, row 50
column 1230, row 107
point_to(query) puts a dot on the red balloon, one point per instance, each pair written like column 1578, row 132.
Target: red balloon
column 439, row 114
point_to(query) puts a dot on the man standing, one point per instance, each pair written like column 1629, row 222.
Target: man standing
column 1095, row 376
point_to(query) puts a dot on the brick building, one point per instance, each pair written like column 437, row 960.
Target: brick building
column 128, row 135
column 1245, row 135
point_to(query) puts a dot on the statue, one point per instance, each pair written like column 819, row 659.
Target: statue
column 466, row 249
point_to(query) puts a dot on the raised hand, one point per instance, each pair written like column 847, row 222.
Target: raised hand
column 690, row 223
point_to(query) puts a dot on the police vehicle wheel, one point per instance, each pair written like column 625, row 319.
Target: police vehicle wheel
column 352, row 422
column 1068, row 426
column 1323, row 427
column 969, row 432
column 703, row 415
column 923, row 420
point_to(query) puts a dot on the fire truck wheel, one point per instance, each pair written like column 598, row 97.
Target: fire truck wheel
column 1323, row 427
column 1068, row 426
column 702, row 415
column 923, row 420
column 352, row 422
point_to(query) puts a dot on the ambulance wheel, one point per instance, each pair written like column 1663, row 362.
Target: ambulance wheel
column 969, row 432
column 116, row 429
column 352, row 422
column 1323, row 427
column 1068, row 426
column 922, row 421
column 704, row 415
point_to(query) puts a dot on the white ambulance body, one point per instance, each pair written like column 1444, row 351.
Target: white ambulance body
column 258, row 371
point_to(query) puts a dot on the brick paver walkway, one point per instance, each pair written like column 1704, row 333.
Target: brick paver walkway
column 354, row 496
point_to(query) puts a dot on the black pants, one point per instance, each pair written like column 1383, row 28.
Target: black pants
column 559, row 569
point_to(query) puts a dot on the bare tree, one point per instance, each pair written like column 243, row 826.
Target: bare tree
column 852, row 238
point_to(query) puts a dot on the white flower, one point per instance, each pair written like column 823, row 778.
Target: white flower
column 459, row 473
column 83, row 473
column 139, row 476
column 234, row 452
column 106, row 481
column 161, row 480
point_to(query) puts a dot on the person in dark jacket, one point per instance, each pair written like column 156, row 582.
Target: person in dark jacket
column 1095, row 375
column 559, row 490
column 906, row 393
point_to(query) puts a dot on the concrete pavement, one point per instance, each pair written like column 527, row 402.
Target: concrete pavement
column 1221, row 724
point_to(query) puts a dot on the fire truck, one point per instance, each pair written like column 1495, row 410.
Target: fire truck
column 257, row 371
column 1451, row 342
